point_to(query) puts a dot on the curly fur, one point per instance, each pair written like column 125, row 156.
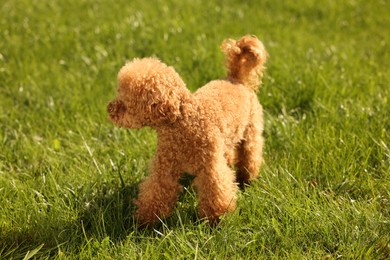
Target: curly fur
column 205, row 134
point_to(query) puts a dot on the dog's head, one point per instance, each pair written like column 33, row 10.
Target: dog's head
column 149, row 94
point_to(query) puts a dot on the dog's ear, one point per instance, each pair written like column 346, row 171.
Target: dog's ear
column 163, row 108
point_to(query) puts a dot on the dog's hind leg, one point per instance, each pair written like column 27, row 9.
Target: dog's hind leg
column 216, row 189
column 250, row 150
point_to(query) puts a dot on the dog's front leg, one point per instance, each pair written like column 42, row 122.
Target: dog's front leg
column 159, row 191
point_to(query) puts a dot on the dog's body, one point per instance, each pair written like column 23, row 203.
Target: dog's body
column 203, row 134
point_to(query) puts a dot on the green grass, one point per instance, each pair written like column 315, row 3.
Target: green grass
column 67, row 175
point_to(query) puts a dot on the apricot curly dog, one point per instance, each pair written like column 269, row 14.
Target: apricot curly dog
column 204, row 134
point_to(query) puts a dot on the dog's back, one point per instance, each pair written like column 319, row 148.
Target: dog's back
column 228, row 104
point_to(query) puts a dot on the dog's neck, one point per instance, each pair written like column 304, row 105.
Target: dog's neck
column 189, row 112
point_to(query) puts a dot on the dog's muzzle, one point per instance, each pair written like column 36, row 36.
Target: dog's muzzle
column 116, row 107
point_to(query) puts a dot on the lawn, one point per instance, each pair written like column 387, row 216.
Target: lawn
column 68, row 176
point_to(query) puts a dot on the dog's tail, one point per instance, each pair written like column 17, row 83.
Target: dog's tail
column 245, row 60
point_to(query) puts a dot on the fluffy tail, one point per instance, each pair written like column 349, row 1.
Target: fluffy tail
column 245, row 60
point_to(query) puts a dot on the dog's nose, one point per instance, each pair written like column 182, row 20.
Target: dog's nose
column 115, row 107
column 111, row 107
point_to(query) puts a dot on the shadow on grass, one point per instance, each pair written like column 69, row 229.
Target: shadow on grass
column 94, row 214
column 110, row 212
column 105, row 213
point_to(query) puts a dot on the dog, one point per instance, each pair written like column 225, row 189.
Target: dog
column 214, row 134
